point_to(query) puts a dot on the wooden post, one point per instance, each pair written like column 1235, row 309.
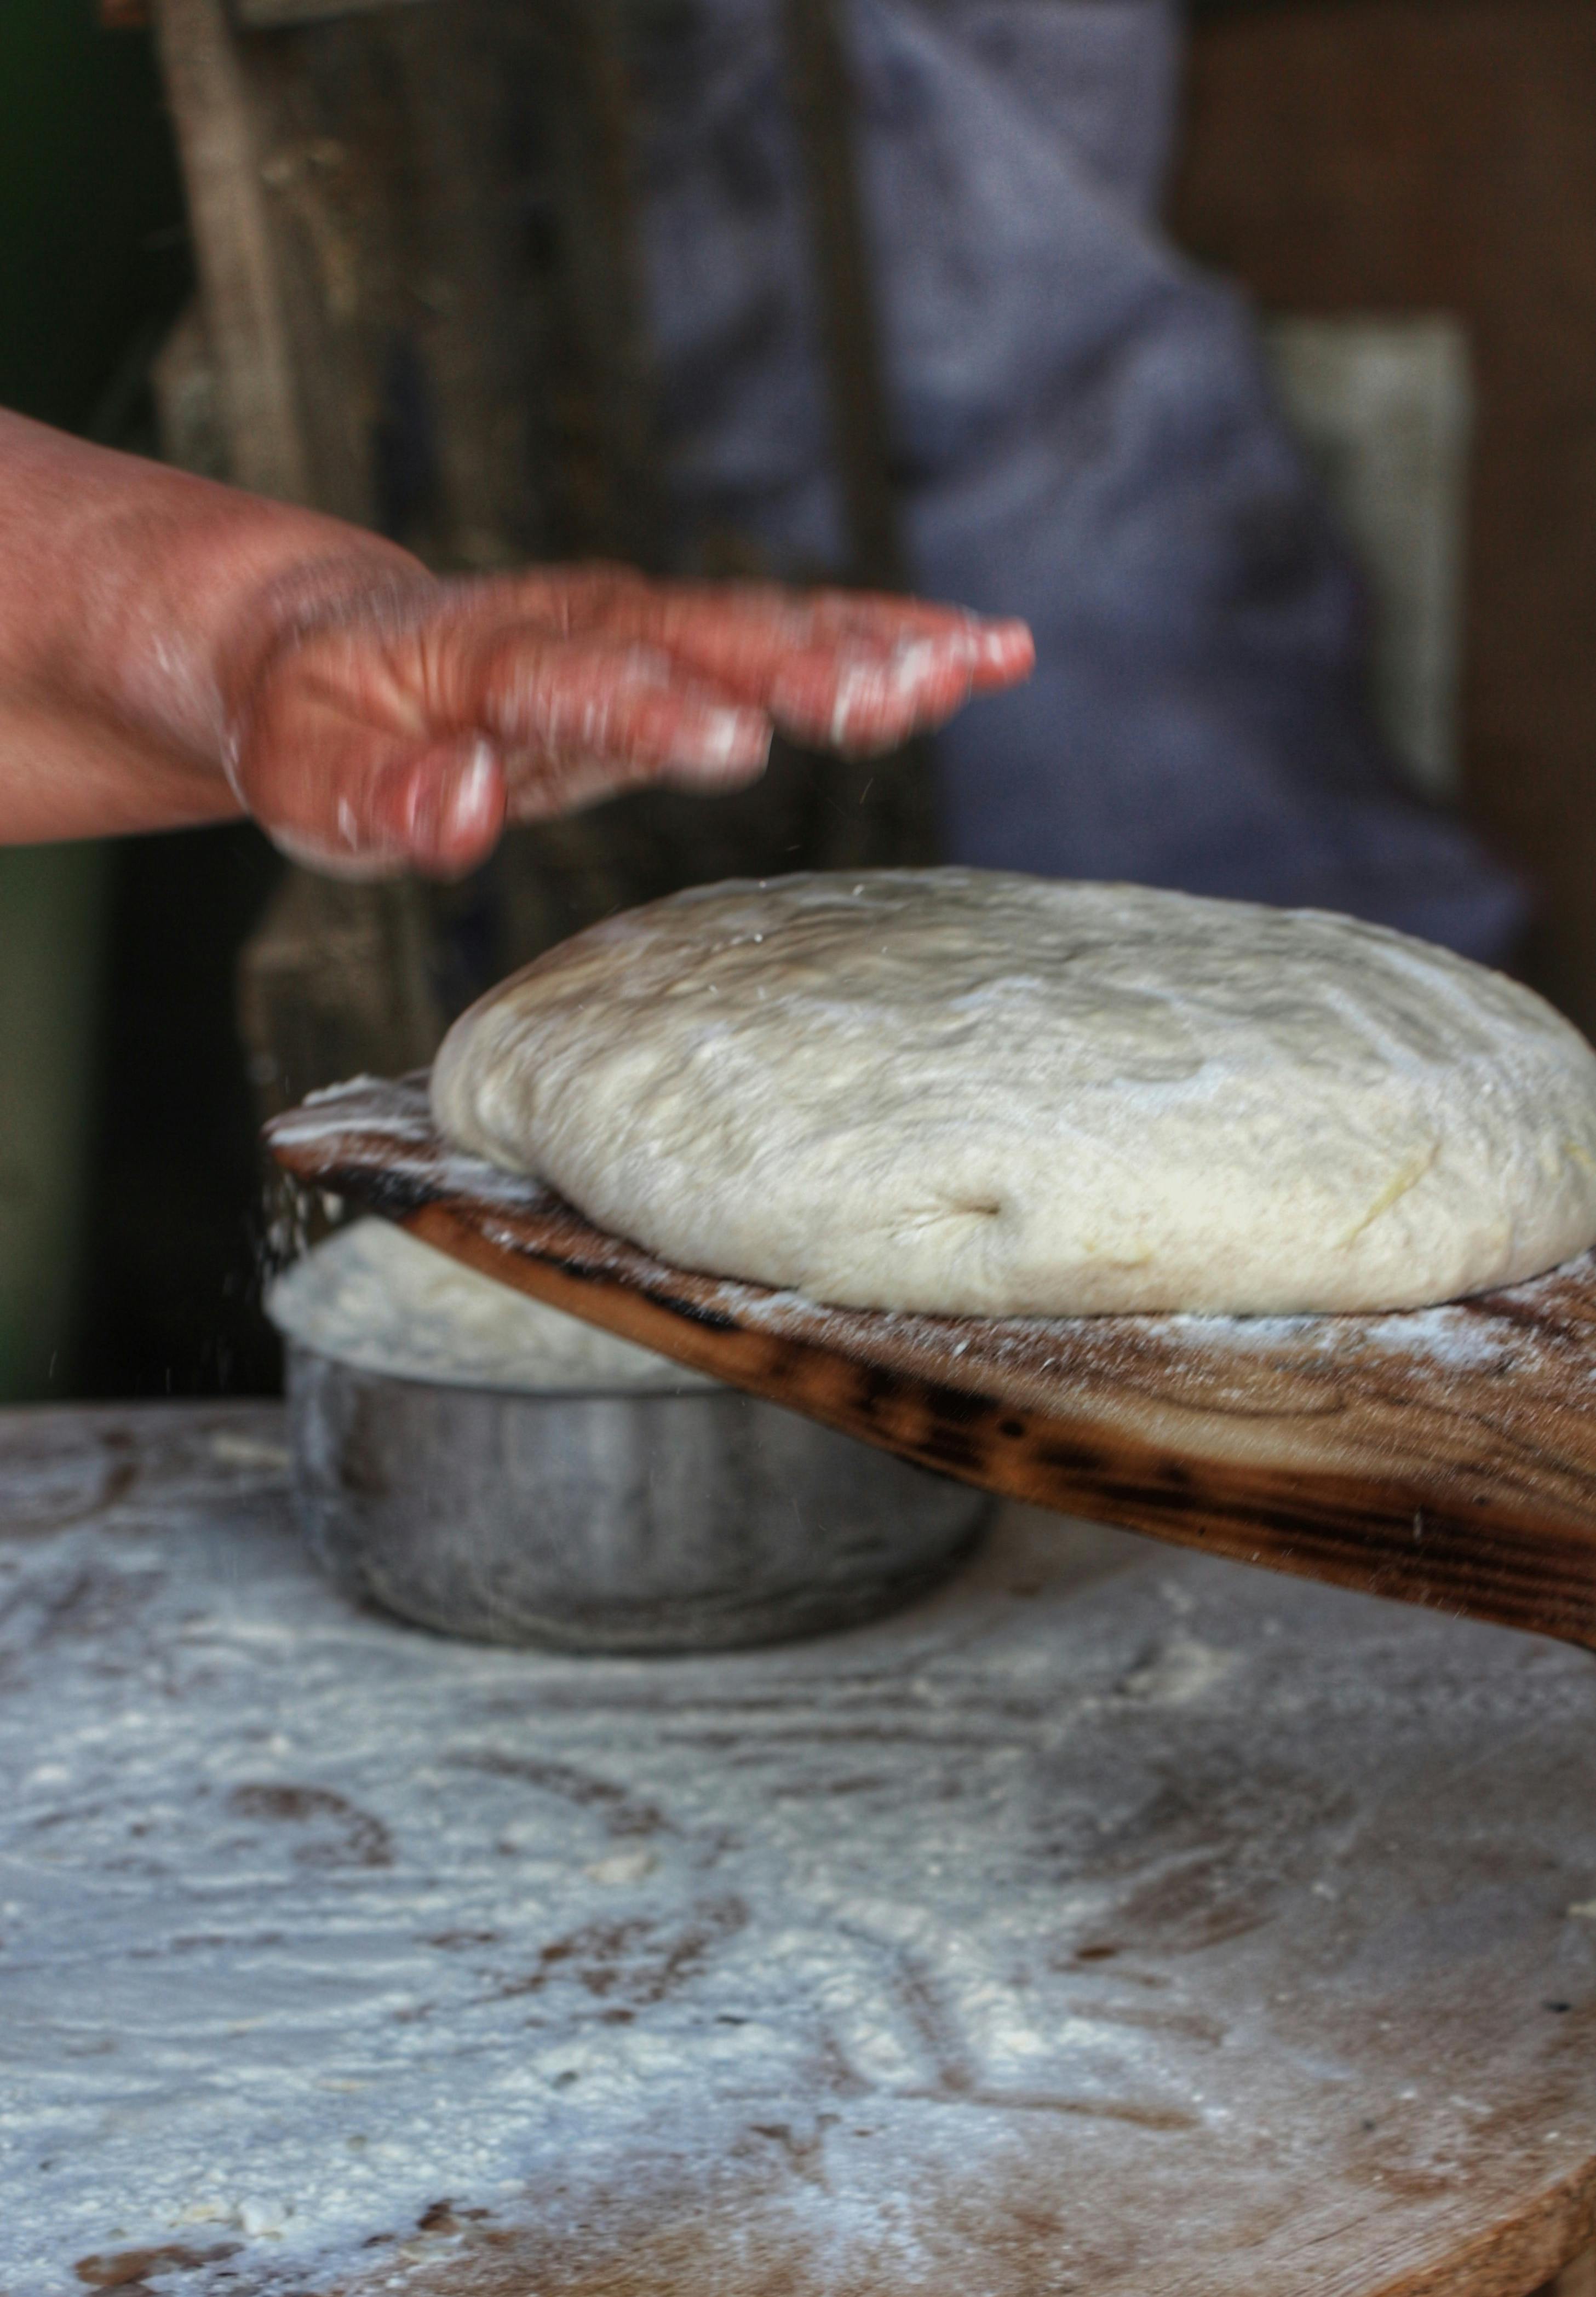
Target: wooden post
column 881, row 810
column 243, row 301
column 823, row 106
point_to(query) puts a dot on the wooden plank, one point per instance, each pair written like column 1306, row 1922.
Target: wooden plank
column 245, row 319
column 1577, row 2280
column 274, row 15
column 599, row 395
column 367, row 159
column 1446, row 1458
column 883, row 805
column 339, row 979
column 821, row 92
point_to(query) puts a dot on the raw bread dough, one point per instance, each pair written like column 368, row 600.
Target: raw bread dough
column 376, row 1298
column 1003, row 1095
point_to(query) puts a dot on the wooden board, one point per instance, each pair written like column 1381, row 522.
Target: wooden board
column 1445, row 1458
column 1116, row 1924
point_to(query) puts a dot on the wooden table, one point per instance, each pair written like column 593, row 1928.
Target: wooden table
column 1120, row 1922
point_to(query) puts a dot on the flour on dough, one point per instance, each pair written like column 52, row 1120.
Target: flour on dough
column 995, row 1094
column 376, row 1298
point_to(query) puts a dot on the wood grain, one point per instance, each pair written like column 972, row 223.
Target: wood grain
column 246, row 314
column 1446, row 1458
column 1577, row 2280
column 271, row 15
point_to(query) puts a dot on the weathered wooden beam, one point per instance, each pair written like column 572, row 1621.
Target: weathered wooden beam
column 821, row 93
column 245, row 319
column 273, row 15
column 882, row 806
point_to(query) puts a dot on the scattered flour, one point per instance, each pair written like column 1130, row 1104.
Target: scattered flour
column 310, row 1922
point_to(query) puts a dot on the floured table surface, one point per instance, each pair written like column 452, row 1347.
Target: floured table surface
column 1119, row 1921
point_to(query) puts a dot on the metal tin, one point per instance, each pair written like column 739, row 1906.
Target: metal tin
column 618, row 1521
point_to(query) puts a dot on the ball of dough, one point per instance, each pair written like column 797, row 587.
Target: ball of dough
column 374, row 1297
column 999, row 1095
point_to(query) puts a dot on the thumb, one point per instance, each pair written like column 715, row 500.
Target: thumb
column 371, row 804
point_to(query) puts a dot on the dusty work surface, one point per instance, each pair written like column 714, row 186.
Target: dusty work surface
column 1120, row 1920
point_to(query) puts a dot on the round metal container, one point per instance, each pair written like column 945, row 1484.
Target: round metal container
column 619, row 1521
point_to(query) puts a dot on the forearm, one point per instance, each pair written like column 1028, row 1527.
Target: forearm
column 130, row 594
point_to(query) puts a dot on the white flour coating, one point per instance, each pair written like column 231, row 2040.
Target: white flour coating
column 309, row 1922
column 373, row 1296
column 395, row 1112
column 994, row 1095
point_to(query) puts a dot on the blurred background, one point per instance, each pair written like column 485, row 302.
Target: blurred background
column 1250, row 348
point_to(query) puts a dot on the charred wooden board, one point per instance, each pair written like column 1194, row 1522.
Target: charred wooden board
column 1446, row 1457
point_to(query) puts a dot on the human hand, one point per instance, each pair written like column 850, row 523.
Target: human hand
column 172, row 650
column 401, row 723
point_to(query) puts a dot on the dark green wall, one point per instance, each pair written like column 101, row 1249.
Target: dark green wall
column 94, row 258
column 93, row 261
column 128, row 1181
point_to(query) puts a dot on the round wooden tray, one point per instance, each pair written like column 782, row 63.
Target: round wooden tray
column 1119, row 1921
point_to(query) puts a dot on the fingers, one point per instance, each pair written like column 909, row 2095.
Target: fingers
column 557, row 707
column 862, row 697
column 343, row 772
column 834, row 669
column 379, row 807
column 363, row 752
column 381, row 741
column 449, row 806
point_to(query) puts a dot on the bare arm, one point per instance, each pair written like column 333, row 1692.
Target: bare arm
column 175, row 652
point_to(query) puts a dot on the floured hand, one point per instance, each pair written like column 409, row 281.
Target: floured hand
column 172, row 652
column 402, row 725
